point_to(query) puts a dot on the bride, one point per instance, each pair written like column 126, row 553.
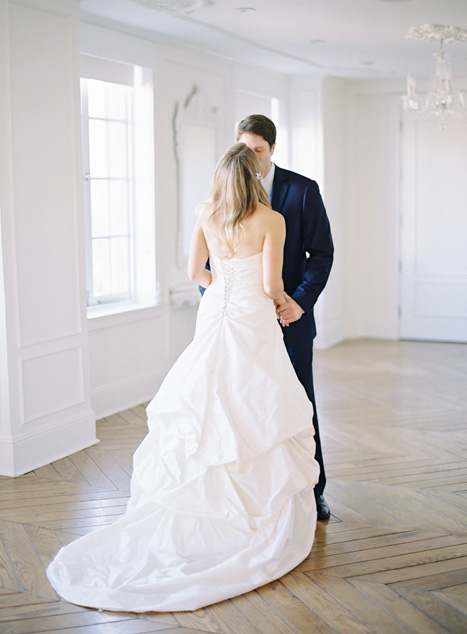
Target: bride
column 222, row 487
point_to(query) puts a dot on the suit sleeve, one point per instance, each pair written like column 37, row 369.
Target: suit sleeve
column 318, row 244
column 208, row 268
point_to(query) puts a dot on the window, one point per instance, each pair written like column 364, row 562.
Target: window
column 118, row 153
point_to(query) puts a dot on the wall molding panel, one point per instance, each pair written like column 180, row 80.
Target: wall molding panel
column 433, row 271
column 52, row 383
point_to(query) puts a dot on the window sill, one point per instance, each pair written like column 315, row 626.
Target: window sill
column 105, row 315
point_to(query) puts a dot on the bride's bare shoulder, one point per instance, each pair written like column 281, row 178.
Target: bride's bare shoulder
column 204, row 212
column 270, row 216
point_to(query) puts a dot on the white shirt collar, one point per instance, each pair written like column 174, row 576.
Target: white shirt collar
column 268, row 180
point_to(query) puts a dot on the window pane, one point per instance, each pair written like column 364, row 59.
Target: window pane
column 118, row 150
column 108, row 125
column 98, row 146
column 100, row 208
column 97, row 98
column 117, row 101
column 101, row 266
column 119, row 256
column 119, row 207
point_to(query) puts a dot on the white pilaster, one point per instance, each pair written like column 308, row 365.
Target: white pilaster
column 44, row 386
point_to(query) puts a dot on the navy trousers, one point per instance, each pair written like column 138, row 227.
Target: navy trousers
column 301, row 356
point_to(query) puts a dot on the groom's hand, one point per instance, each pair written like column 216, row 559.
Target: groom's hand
column 289, row 311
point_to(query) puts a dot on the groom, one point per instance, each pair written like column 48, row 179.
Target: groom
column 308, row 254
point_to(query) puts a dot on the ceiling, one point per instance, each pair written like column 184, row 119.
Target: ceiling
column 362, row 39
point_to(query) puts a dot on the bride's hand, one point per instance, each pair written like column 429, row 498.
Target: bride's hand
column 288, row 310
column 280, row 302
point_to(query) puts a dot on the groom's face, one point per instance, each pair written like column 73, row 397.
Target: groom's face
column 260, row 147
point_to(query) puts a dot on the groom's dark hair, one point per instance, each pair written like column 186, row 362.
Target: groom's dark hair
column 260, row 125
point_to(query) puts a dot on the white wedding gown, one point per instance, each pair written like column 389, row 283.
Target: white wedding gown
column 222, row 489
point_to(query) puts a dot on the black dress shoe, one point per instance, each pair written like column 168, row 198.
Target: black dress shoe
column 322, row 507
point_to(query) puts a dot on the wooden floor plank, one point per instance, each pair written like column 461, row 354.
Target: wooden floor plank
column 68, row 471
column 43, row 495
column 327, row 608
column 31, row 611
column 292, row 609
column 438, row 581
column 45, row 543
column 457, row 601
column 458, row 589
column 133, row 626
column 12, row 600
column 369, row 612
column 34, row 515
column 124, row 459
column 135, row 416
column 230, row 619
column 392, row 574
column 111, row 469
column 385, row 540
column 8, row 577
column 440, row 611
column 25, row 561
column 377, row 507
column 164, row 618
column 447, row 510
column 53, row 622
column 65, row 503
column 404, row 611
column 415, row 551
column 258, row 612
column 199, row 619
column 47, row 472
column 89, row 469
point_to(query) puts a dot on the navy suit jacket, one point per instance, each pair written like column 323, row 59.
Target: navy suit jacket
column 308, row 250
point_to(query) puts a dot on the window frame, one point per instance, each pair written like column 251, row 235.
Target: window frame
column 143, row 289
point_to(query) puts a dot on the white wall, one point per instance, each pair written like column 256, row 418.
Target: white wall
column 45, row 402
column 262, row 92
column 330, row 307
column 345, row 135
column 317, row 151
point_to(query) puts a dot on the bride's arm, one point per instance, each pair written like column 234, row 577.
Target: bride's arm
column 197, row 258
column 273, row 255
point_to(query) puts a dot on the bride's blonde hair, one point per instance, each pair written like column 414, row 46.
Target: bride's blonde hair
column 236, row 192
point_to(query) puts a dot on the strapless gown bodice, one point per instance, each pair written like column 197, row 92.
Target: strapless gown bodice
column 235, row 278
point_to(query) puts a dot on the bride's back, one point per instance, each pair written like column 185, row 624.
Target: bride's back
column 250, row 238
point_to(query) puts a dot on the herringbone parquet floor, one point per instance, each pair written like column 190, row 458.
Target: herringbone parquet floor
column 392, row 558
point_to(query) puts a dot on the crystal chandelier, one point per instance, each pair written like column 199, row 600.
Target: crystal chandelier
column 442, row 101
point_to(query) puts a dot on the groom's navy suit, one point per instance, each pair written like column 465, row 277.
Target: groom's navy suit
column 308, row 255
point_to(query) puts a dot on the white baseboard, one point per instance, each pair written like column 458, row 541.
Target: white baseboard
column 41, row 448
